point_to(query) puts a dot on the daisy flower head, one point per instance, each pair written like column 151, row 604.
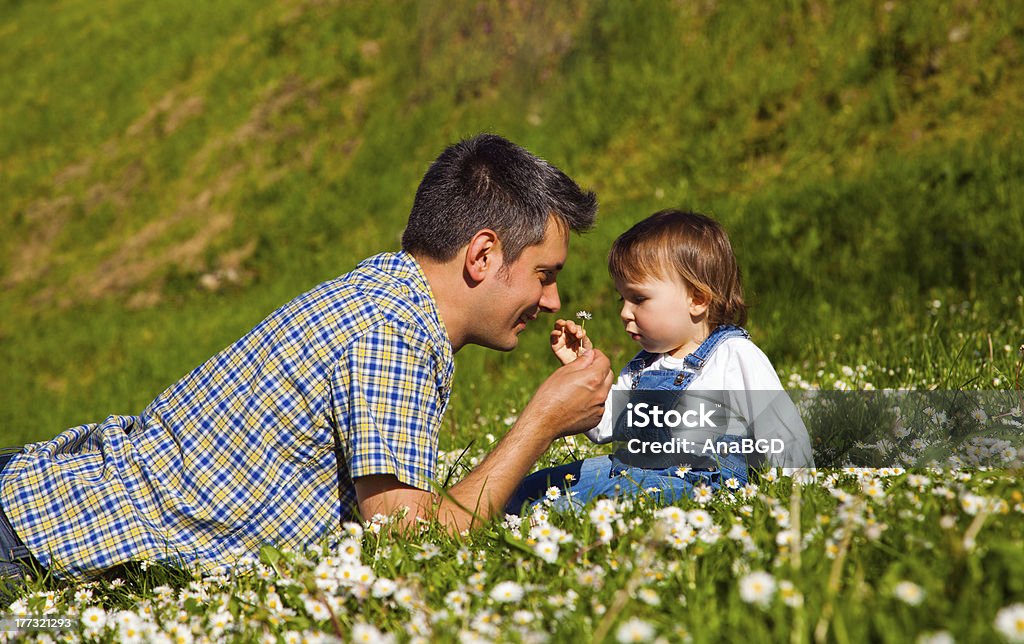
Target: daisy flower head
column 384, row 588
column 457, row 601
column 547, row 550
column 543, row 532
column 757, row 588
column 738, row 532
column 908, row 592
column 649, row 596
column 785, row 538
column 972, row 503
column 790, row 595
column 604, row 532
column 427, row 551
column 699, row 518
column 523, row 617
column 363, row 632
column 1010, row 622
column 584, row 315
column 634, row 630
column 129, row 625
column 671, row 513
column 350, row 549
column 507, row 592
column 591, row 577
column 94, row 619
column 702, row 494
column 353, row 529
column 181, row 633
column 316, row 609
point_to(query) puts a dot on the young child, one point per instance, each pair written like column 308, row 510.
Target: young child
column 682, row 302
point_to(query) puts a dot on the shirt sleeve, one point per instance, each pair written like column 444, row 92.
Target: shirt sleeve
column 602, row 432
column 757, row 393
column 388, row 407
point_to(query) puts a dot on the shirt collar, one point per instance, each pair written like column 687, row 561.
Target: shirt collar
column 404, row 268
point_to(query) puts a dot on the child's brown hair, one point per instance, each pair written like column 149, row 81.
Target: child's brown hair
column 672, row 244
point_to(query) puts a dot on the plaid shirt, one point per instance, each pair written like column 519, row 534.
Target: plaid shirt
column 240, row 452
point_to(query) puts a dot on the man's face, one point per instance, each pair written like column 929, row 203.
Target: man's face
column 520, row 291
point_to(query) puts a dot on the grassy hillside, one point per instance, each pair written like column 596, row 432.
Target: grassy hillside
column 172, row 172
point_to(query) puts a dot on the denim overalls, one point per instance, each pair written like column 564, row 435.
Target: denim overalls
column 15, row 558
column 608, row 476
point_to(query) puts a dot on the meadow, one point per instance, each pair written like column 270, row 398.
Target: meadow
column 174, row 172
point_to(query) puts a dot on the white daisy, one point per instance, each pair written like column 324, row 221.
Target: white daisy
column 909, row 593
column 383, row 588
column 317, row 610
column 546, row 550
column 362, row 632
column 523, row 617
column 698, row 518
column 790, row 595
column 507, row 592
column 634, row 630
column 757, row 588
column 1010, row 622
column 703, row 494
column 94, row 619
column 649, row 596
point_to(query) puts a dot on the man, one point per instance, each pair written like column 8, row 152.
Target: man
column 242, row 451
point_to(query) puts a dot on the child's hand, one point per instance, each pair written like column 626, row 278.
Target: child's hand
column 569, row 340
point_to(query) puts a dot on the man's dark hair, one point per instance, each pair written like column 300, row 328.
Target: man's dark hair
column 489, row 182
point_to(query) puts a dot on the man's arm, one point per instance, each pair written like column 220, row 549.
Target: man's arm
column 570, row 401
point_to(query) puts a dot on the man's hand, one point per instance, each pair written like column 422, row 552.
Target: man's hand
column 569, row 340
column 572, row 399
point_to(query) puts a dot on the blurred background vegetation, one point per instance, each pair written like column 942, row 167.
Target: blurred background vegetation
column 172, row 172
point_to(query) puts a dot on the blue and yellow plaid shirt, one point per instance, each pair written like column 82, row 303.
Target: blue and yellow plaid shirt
column 240, row 452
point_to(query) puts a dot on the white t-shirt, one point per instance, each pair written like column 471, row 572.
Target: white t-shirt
column 737, row 365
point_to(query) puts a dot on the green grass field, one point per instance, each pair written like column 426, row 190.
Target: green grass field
column 171, row 173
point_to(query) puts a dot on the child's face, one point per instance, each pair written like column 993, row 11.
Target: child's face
column 662, row 315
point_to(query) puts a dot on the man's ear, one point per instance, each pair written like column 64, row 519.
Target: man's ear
column 483, row 255
column 699, row 302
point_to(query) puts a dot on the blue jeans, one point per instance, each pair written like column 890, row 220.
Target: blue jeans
column 608, row 477
column 14, row 556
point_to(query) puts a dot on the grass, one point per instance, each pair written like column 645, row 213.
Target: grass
column 855, row 556
column 174, row 173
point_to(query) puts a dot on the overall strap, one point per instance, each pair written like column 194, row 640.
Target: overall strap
column 703, row 353
column 640, row 362
column 642, row 359
column 699, row 358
